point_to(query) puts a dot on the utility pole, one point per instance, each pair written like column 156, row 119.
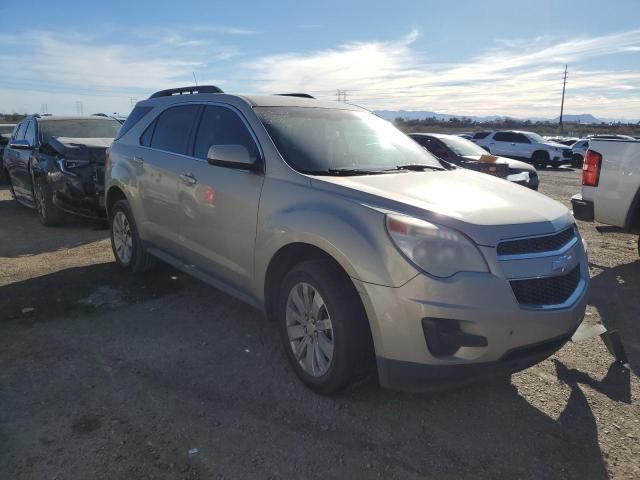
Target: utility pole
column 79, row 108
column 342, row 96
column 194, row 78
column 564, row 86
column 133, row 101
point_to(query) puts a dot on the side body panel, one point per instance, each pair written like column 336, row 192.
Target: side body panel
column 619, row 180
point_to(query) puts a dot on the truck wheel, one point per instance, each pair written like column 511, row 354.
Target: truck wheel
column 324, row 327
column 48, row 213
column 540, row 159
column 125, row 241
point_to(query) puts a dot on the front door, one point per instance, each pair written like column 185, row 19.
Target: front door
column 219, row 205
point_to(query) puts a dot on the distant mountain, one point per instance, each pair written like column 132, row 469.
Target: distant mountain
column 582, row 118
column 422, row 114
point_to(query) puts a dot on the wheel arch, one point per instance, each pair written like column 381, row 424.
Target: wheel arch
column 112, row 195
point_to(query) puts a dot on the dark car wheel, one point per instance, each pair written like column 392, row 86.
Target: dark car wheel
column 324, row 328
column 577, row 160
column 125, row 241
column 540, row 159
column 48, row 213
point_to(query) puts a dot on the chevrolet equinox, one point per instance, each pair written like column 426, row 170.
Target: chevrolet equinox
column 365, row 251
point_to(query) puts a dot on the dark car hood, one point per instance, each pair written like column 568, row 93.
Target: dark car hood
column 516, row 164
column 92, row 149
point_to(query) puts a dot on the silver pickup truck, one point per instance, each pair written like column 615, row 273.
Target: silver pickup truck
column 362, row 248
column 611, row 185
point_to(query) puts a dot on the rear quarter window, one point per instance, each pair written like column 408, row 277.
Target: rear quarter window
column 137, row 114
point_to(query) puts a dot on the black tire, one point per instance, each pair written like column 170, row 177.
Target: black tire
column 140, row 260
column 48, row 213
column 540, row 159
column 353, row 354
column 577, row 160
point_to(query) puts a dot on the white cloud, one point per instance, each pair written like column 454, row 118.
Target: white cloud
column 516, row 78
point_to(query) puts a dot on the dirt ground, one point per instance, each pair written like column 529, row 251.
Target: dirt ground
column 161, row 377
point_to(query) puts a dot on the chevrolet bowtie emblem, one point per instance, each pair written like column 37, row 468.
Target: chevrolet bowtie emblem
column 561, row 263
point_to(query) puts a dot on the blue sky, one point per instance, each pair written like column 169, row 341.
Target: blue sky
column 466, row 57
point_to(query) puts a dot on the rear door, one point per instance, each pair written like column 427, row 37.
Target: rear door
column 502, row 144
column 157, row 165
column 219, row 205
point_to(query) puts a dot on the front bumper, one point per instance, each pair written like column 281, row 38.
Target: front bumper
column 485, row 307
column 582, row 209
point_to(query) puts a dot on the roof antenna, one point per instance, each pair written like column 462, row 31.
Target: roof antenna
column 194, row 78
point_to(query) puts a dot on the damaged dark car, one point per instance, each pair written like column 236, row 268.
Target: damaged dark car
column 55, row 165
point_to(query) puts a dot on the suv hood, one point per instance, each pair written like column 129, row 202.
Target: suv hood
column 485, row 208
column 92, row 149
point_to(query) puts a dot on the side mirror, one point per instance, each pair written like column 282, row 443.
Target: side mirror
column 232, row 156
column 21, row 145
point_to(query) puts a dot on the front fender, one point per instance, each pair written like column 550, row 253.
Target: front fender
column 351, row 233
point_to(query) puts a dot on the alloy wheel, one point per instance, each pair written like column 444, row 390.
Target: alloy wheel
column 309, row 329
column 122, row 238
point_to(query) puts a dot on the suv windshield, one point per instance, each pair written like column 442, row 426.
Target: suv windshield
column 534, row 137
column 89, row 128
column 317, row 140
column 462, row 147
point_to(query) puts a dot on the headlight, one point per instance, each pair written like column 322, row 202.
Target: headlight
column 437, row 250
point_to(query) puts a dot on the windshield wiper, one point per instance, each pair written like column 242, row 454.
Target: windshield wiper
column 347, row 171
column 419, row 167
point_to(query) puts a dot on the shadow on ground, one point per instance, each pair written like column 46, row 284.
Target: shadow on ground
column 27, row 236
column 614, row 293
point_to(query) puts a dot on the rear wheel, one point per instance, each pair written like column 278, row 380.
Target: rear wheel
column 324, row 328
column 577, row 161
column 540, row 159
column 48, row 213
column 125, row 241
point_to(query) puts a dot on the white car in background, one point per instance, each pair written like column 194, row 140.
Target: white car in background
column 527, row 146
column 578, row 151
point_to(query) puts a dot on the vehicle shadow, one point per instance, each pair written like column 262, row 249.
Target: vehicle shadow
column 29, row 237
column 103, row 286
column 614, row 293
column 207, row 364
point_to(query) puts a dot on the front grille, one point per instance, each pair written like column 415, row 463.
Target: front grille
column 546, row 291
column 547, row 243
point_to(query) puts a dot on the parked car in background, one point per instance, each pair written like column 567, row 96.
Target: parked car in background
column 466, row 154
column 578, row 151
column 526, row 146
column 6, row 130
column 352, row 238
column 468, row 136
column 480, row 135
column 611, row 185
column 55, row 164
column 562, row 140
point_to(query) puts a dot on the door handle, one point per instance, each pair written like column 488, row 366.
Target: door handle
column 188, row 178
column 138, row 159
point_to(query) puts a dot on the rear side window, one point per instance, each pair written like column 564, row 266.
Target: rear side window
column 134, row 117
column 222, row 126
column 30, row 133
column 520, row 138
column 503, row 137
column 173, row 127
column 19, row 134
column 480, row 135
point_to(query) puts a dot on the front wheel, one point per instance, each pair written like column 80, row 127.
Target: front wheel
column 125, row 241
column 48, row 213
column 540, row 159
column 324, row 327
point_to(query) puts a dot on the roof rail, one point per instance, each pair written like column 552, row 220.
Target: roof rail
column 187, row 90
column 301, row 95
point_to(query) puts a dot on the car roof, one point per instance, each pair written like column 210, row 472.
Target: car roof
column 252, row 100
